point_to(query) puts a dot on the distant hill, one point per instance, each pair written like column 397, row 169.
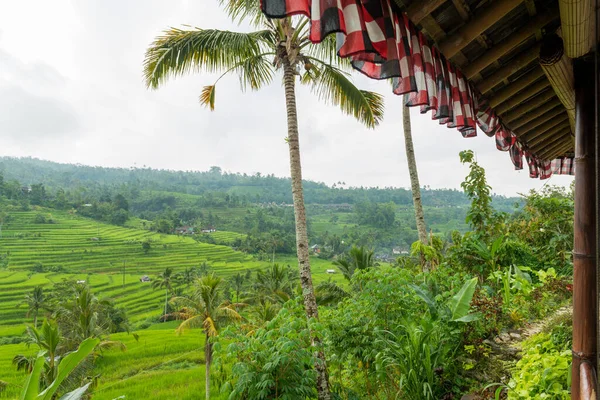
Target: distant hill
column 245, row 188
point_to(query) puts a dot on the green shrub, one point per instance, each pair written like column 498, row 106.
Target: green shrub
column 544, row 372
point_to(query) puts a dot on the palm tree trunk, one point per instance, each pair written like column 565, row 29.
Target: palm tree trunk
column 414, row 176
column 35, row 315
column 308, row 292
column 207, row 361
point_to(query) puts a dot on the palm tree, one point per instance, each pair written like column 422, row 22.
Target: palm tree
column 414, row 176
column 187, row 276
column 47, row 338
column 35, row 301
column 238, row 283
column 165, row 280
column 275, row 283
column 278, row 45
column 358, row 258
column 206, row 308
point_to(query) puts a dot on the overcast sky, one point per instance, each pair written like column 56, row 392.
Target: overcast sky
column 71, row 90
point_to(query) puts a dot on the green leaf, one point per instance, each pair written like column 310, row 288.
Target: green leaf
column 459, row 304
column 67, row 365
column 32, row 384
column 76, row 394
column 469, row 318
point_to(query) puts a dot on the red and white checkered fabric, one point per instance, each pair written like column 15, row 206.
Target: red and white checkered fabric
column 383, row 44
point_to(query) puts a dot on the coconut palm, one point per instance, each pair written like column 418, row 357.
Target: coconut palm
column 358, row 258
column 48, row 339
column 35, row 301
column 280, row 45
column 165, row 279
column 275, row 283
column 206, row 308
column 414, row 176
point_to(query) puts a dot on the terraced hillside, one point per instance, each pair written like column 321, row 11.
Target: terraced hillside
column 84, row 246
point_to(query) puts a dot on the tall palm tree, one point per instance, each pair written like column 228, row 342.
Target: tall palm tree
column 165, row 280
column 275, row 283
column 35, row 301
column 206, row 308
column 414, row 176
column 280, row 45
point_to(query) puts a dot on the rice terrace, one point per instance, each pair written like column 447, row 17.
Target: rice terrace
column 299, row 199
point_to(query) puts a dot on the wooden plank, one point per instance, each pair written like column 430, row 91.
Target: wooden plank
column 513, row 88
column 432, row 28
column 529, row 105
column 463, row 9
column 421, row 9
column 558, row 138
column 530, row 126
column 530, row 116
column 546, row 126
column 522, row 96
column 552, row 151
column 479, row 23
column 549, row 135
column 510, row 42
column 513, row 66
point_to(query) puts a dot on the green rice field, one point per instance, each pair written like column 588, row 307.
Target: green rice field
column 111, row 260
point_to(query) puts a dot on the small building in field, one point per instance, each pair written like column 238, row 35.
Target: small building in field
column 331, row 271
column 145, row 278
column 208, row 229
column 316, row 249
column 184, row 230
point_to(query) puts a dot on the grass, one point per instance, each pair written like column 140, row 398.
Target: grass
column 160, row 365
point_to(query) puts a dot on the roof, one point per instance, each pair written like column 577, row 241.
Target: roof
column 471, row 63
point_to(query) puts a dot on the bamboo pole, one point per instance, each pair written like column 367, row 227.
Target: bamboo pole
column 551, row 140
column 482, row 21
column 542, row 119
column 546, row 153
column 546, row 126
column 528, row 105
column 531, row 115
column 512, row 41
column 515, row 87
column 514, row 65
column 551, row 134
column 522, row 96
column 585, row 300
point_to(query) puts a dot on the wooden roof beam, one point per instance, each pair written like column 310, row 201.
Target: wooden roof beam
column 543, row 128
column 463, row 9
column 529, row 105
column 542, row 119
column 556, row 140
column 514, row 65
column 479, row 24
column 555, row 150
column 530, row 116
column 418, row 10
column 514, row 87
column 512, row 41
column 522, row 96
column 549, row 136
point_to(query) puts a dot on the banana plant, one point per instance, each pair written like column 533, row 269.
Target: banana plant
column 31, row 389
column 455, row 309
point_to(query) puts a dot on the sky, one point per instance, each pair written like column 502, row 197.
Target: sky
column 71, row 90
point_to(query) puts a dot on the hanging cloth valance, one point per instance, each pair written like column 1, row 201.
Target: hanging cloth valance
column 383, row 44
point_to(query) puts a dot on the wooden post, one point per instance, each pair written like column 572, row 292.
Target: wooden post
column 585, row 300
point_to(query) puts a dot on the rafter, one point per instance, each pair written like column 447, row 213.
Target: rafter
column 515, row 87
column 418, row 10
column 482, row 21
column 530, row 116
column 506, row 45
column 513, row 66
column 523, row 95
column 529, row 105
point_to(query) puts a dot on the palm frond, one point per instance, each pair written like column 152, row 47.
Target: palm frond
column 326, row 52
column 210, row 327
column 178, row 52
column 332, row 85
column 190, row 323
column 245, row 10
column 207, row 97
